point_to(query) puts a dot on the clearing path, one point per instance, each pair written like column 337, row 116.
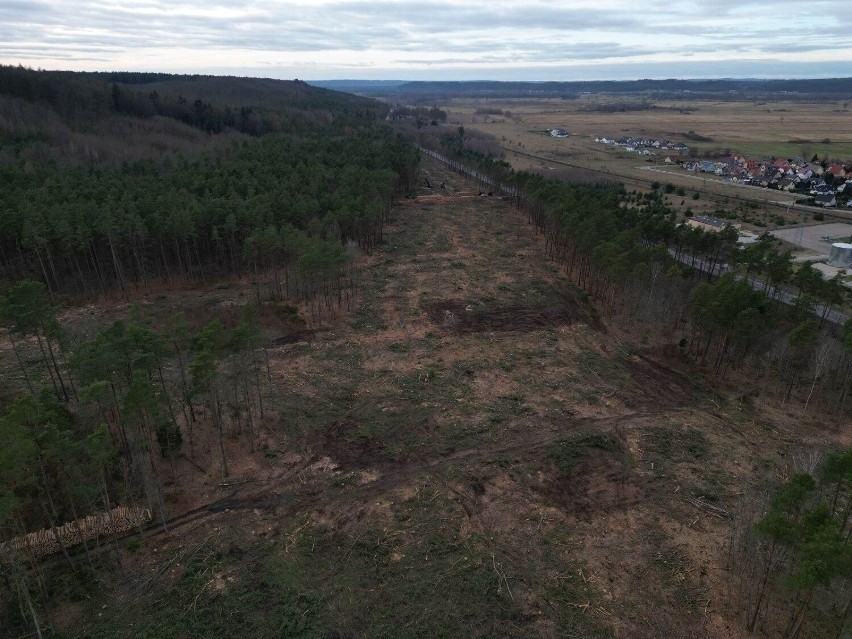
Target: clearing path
column 469, row 454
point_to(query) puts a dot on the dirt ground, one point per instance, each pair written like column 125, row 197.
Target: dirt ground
column 471, row 452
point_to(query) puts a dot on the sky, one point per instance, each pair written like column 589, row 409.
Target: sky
column 435, row 39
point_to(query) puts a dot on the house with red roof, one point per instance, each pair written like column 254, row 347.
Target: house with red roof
column 837, row 170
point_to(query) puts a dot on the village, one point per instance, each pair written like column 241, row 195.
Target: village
column 820, row 183
column 825, row 246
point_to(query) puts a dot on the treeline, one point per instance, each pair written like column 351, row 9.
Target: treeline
column 618, row 106
column 103, row 421
column 264, row 201
column 725, row 89
column 659, row 276
column 88, row 96
column 111, row 119
column 429, row 114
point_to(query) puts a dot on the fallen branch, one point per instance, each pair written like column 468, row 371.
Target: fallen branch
column 708, row 509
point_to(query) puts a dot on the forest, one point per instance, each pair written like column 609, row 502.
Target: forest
column 293, row 180
column 286, row 191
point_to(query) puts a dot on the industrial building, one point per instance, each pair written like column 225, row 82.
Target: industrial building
column 841, row 255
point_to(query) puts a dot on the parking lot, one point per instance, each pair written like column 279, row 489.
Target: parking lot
column 815, row 240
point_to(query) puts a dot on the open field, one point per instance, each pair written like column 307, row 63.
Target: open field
column 753, row 129
column 781, row 128
column 470, row 453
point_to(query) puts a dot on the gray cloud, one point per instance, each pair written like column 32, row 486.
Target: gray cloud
column 430, row 34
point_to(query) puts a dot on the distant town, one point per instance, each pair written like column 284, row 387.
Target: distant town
column 821, row 183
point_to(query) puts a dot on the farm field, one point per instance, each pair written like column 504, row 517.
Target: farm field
column 471, row 452
column 785, row 129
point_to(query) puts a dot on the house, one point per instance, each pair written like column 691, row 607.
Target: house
column 787, row 184
column 764, row 179
column 670, row 160
column 726, row 166
column 706, row 166
column 707, row 223
column 558, row 133
column 837, row 171
column 825, row 199
column 804, row 174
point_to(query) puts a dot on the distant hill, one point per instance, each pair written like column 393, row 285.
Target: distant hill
column 833, row 87
column 354, row 86
column 101, row 118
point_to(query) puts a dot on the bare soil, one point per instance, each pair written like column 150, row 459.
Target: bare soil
column 461, row 317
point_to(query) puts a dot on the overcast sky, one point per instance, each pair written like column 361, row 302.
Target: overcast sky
column 433, row 39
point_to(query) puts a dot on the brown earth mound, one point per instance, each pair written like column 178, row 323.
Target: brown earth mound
column 305, row 335
column 349, row 448
column 660, row 384
column 600, row 482
column 457, row 317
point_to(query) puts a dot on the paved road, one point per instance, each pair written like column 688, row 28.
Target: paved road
column 831, row 315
